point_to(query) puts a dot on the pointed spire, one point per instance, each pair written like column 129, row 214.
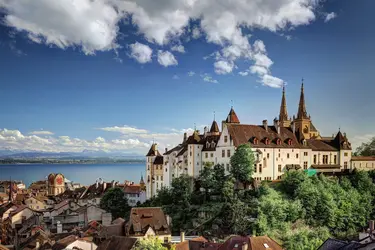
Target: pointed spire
column 302, row 114
column 142, row 181
column 283, row 116
column 232, row 117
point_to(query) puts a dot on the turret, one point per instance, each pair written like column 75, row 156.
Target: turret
column 283, row 115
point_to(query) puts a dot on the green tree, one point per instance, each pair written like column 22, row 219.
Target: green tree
column 115, row 202
column 367, row 148
column 292, row 181
column 151, row 243
column 305, row 238
column 242, row 163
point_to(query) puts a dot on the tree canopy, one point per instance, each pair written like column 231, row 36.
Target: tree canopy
column 242, row 163
column 114, row 201
column 151, row 243
column 366, row 148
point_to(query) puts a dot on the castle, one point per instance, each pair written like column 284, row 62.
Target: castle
column 286, row 144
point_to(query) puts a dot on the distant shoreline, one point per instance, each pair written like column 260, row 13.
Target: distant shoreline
column 67, row 162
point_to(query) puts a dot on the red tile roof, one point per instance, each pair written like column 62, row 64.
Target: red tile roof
column 132, row 189
column 363, row 158
column 232, row 117
column 143, row 218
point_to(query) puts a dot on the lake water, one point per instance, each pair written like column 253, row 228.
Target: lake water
column 82, row 173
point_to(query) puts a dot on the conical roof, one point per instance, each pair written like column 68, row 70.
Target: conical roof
column 232, row 117
column 214, row 127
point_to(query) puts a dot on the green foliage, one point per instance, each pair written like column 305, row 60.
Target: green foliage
column 114, row 201
column 292, row 180
column 305, row 238
column 242, row 163
column 151, row 243
column 367, row 148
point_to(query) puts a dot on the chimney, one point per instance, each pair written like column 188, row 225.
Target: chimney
column 276, row 123
column 294, row 127
column 166, row 150
column 182, row 235
column 185, row 137
column 97, row 184
column 205, row 130
column 104, row 186
column 245, row 246
column 265, row 125
column 37, row 245
column 371, row 226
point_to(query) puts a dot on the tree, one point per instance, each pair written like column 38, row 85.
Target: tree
column 115, row 202
column 305, row 238
column 292, row 181
column 151, row 243
column 367, row 148
column 242, row 163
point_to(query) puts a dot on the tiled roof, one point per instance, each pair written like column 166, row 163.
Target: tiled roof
column 158, row 160
column 212, row 142
column 312, row 127
column 363, row 158
column 132, row 189
column 177, row 148
column 214, row 127
column 143, row 218
column 242, row 134
column 234, row 243
column 332, row 244
column 260, row 242
column 153, row 150
column 232, row 117
column 117, row 242
column 319, row 145
column 63, row 243
column 95, row 191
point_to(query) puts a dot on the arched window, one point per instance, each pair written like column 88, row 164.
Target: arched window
column 266, row 141
column 290, row 142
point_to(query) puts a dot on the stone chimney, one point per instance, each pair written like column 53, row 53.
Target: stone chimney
column 97, row 184
column 276, row 124
column 265, row 125
column 185, row 137
column 166, row 150
column 205, row 131
column 182, row 235
column 245, row 246
column 105, row 185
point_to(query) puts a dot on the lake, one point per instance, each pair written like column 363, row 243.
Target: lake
column 82, row 173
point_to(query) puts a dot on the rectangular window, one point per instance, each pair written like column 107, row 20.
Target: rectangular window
column 228, row 153
column 206, row 155
column 335, row 159
column 260, row 168
column 279, row 167
column 287, row 155
column 314, row 159
column 225, row 139
column 255, row 168
column 190, row 153
column 223, row 153
column 279, row 155
column 268, row 155
column 346, row 154
column 297, row 156
column 325, row 159
column 305, row 165
column 157, row 185
column 157, row 178
column 305, row 153
column 212, row 155
column 346, row 165
column 161, row 178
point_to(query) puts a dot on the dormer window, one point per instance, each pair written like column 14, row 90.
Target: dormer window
column 290, row 142
column 266, row 141
column 304, row 143
column 213, row 144
column 278, row 141
column 207, row 144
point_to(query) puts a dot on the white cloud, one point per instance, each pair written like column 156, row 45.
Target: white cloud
column 41, row 132
column 357, row 140
column 91, row 25
column 175, row 77
column 208, row 78
column 179, row 48
column 196, row 33
column 243, row 73
column 191, row 73
column 330, row 16
column 124, row 130
column 166, row 58
column 272, row 81
column 141, row 52
column 223, row 67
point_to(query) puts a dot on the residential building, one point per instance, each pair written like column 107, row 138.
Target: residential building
column 363, row 163
column 74, row 242
column 118, row 242
column 148, row 221
column 135, row 192
column 287, row 143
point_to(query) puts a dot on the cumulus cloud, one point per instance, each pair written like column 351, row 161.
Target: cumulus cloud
column 94, row 25
column 330, row 16
column 191, row 73
column 243, row 73
column 166, row 58
column 124, row 129
column 179, row 48
column 141, row 52
column 41, row 132
column 223, row 67
column 208, row 78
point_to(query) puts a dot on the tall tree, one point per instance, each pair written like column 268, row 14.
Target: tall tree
column 152, row 243
column 242, row 163
column 114, row 201
column 367, row 148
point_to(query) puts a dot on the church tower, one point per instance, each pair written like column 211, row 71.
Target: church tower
column 283, row 116
column 303, row 121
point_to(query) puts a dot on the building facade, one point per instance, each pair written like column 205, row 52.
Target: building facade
column 56, row 184
column 286, row 143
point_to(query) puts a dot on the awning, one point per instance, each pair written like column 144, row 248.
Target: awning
column 327, row 168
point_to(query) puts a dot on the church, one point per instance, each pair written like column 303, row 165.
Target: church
column 287, row 143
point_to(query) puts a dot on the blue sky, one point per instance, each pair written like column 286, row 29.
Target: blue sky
column 110, row 75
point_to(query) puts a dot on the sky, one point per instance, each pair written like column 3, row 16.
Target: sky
column 117, row 75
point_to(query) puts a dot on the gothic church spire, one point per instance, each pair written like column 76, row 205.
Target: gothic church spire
column 302, row 114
